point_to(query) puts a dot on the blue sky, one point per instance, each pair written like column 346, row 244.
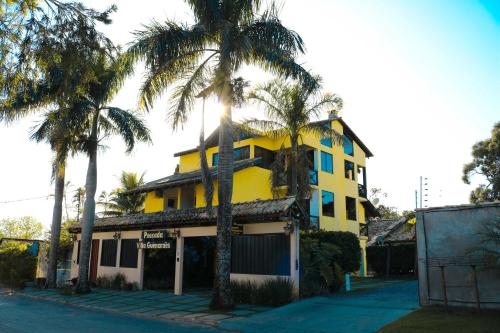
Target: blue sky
column 420, row 81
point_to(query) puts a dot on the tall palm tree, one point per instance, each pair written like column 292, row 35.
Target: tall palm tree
column 103, row 120
column 226, row 35
column 125, row 204
column 291, row 109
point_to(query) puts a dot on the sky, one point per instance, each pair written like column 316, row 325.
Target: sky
column 420, row 82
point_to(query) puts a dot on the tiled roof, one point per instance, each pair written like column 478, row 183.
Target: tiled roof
column 390, row 231
column 189, row 177
column 254, row 211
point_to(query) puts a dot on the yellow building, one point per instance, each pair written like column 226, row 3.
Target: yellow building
column 337, row 202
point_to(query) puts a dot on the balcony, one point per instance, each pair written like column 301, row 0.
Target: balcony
column 362, row 191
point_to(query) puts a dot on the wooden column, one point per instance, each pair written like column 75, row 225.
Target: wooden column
column 294, row 260
column 179, row 261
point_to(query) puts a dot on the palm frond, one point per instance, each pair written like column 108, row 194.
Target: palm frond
column 320, row 130
column 129, row 126
column 269, row 128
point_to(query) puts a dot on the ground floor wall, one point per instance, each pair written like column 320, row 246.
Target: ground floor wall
column 136, row 274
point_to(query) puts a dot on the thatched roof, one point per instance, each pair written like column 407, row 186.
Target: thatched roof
column 184, row 178
column 390, row 231
column 274, row 210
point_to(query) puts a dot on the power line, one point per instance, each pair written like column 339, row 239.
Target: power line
column 26, row 199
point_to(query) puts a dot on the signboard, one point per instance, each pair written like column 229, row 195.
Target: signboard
column 237, row 229
column 157, row 239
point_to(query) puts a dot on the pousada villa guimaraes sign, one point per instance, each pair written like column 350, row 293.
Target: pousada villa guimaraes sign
column 155, row 240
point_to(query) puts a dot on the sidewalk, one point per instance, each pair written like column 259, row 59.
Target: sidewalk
column 191, row 307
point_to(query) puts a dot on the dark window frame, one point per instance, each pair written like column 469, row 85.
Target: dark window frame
column 127, row 260
column 346, row 170
column 327, row 142
column 267, row 156
column 330, row 210
column 243, row 156
column 350, row 144
column 350, row 208
column 325, row 163
column 109, row 252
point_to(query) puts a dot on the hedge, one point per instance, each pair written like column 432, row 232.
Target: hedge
column 16, row 266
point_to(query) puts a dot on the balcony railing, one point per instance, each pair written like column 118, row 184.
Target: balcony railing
column 362, row 190
column 363, row 230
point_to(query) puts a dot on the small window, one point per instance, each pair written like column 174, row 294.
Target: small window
column 327, row 203
column 326, row 162
column 326, row 141
column 348, row 146
column 350, row 207
column 129, row 253
column 267, row 157
column 241, row 153
column 78, row 253
column 349, row 170
column 108, row 252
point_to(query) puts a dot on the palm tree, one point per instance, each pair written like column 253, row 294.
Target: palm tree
column 125, row 204
column 290, row 109
column 102, row 121
column 226, row 35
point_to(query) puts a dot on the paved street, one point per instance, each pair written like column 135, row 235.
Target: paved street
column 359, row 312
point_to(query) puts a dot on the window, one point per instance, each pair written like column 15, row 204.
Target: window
column 266, row 155
column 349, row 170
column 348, row 146
column 326, row 162
column 128, row 253
column 242, row 153
column 327, row 203
column 108, row 252
column 78, row 254
column 350, row 207
column 326, row 141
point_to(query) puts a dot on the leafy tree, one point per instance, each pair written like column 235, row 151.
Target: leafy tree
column 485, row 162
column 205, row 57
column 103, row 120
column 290, row 109
column 25, row 227
column 121, row 203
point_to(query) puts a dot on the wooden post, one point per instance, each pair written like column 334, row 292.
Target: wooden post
column 476, row 288
column 388, row 261
column 179, row 261
column 443, row 285
column 294, row 260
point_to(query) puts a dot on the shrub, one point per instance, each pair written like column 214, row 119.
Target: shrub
column 116, row 282
column 16, row 266
column 349, row 255
column 272, row 292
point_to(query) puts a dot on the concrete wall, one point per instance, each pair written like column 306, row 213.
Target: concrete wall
column 445, row 237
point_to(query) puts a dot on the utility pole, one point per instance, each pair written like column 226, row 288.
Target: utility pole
column 416, row 199
column 420, row 191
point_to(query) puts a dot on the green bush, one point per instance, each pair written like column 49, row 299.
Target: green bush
column 349, row 255
column 116, row 282
column 272, row 292
column 16, row 265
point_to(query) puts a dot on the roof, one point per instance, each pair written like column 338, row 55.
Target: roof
column 370, row 209
column 390, row 231
column 213, row 139
column 273, row 210
column 351, row 134
column 183, row 178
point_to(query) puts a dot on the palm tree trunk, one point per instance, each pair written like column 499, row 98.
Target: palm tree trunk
column 55, row 229
column 293, row 165
column 206, row 178
column 222, row 298
column 83, row 285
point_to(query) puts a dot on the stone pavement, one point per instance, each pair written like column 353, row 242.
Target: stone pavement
column 191, row 307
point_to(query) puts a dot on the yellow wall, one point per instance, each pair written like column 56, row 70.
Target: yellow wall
column 253, row 183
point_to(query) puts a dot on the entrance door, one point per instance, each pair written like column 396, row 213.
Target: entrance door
column 94, row 256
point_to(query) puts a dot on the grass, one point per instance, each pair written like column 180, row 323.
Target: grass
column 436, row 319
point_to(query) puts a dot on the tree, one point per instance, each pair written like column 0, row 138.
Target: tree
column 485, row 162
column 103, row 120
column 205, row 56
column 78, row 199
column 25, row 227
column 121, row 203
column 290, row 109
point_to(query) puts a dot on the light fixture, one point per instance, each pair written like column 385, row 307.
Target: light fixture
column 288, row 228
column 117, row 235
column 176, row 233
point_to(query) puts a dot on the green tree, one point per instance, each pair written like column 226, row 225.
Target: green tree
column 486, row 163
column 121, row 203
column 205, row 57
column 291, row 109
column 25, row 227
column 103, row 120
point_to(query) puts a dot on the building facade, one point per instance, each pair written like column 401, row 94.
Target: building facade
column 337, row 202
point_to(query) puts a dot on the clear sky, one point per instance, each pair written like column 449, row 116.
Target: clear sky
column 420, row 81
